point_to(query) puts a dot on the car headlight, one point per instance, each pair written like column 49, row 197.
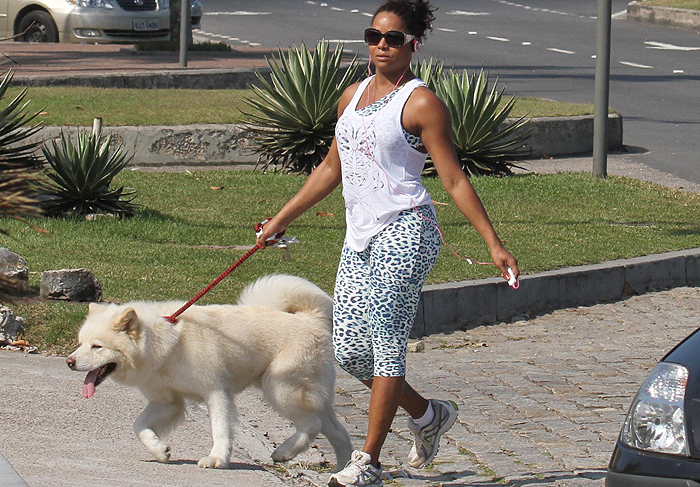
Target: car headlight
column 91, row 3
column 656, row 419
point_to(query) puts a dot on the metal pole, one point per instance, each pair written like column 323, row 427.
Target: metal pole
column 602, row 90
column 183, row 32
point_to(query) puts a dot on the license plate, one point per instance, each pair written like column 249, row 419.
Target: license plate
column 145, row 24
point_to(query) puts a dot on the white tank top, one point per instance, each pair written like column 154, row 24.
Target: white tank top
column 381, row 171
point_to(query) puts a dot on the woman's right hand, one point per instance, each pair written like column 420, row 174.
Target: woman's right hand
column 271, row 230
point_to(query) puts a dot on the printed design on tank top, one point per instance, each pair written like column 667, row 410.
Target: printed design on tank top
column 362, row 173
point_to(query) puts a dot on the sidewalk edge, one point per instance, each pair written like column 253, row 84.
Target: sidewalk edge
column 465, row 304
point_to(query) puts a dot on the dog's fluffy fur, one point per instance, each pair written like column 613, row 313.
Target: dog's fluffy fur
column 278, row 337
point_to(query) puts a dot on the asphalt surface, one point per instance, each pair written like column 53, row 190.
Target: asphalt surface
column 541, row 400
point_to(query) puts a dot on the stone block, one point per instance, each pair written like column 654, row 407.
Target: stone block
column 70, row 285
column 536, row 294
column 656, row 272
column 13, row 265
column 458, row 305
column 11, row 325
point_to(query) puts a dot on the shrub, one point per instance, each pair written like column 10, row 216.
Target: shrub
column 82, row 175
column 484, row 145
column 18, row 169
column 298, row 107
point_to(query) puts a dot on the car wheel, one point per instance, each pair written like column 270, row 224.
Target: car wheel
column 38, row 26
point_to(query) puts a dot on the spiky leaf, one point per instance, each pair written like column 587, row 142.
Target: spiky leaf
column 82, row 174
column 294, row 115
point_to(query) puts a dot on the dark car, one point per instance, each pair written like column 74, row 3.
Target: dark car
column 659, row 445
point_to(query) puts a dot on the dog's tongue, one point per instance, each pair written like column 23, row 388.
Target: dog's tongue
column 89, row 384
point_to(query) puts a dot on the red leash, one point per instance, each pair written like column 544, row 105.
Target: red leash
column 173, row 318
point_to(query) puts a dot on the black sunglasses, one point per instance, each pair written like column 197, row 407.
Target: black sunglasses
column 393, row 38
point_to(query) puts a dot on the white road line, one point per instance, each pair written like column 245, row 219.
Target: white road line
column 635, row 65
column 677, row 71
column 338, row 9
column 446, row 30
column 237, row 13
column 470, row 14
column 563, row 51
column 526, row 43
column 668, row 47
column 354, row 11
column 499, row 39
column 367, row 14
column 472, row 33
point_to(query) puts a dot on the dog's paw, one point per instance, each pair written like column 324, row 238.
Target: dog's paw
column 212, row 462
column 281, row 455
column 163, row 456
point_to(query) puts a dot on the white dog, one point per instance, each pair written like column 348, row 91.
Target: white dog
column 278, row 338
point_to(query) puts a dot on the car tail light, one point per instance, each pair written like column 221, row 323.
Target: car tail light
column 656, row 419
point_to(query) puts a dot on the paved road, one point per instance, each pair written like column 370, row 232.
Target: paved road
column 541, row 405
column 539, row 48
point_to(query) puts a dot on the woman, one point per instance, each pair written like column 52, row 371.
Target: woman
column 386, row 127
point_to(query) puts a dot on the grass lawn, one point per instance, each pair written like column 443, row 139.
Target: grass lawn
column 687, row 4
column 63, row 106
column 182, row 237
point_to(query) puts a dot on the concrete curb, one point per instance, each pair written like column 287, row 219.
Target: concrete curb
column 673, row 17
column 226, row 145
column 460, row 305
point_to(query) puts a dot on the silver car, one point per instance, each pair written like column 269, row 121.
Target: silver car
column 89, row 20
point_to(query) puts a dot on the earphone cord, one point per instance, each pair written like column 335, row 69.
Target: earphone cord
column 388, row 179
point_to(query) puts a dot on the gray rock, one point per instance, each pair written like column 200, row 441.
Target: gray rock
column 70, row 285
column 13, row 265
column 11, row 325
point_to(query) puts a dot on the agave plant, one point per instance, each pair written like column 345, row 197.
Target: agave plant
column 82, row 175
column 484, row 144
column 295, row 112
column 430, row 71
column 18, row 169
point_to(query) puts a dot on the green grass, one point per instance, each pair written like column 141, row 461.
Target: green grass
column 687, row 4
column 64, row 106
column 176, row 245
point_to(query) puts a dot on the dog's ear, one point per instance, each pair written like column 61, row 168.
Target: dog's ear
column 128, row 323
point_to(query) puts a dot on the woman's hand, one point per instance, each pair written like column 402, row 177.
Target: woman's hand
column 503, row 260
column 270, row 230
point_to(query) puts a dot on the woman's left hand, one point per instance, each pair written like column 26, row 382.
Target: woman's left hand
column 503, row 260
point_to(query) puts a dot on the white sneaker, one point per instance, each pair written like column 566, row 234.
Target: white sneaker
column 427, row 439
column 358, row 472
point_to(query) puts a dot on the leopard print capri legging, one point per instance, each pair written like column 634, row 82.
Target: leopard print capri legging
column 376, row 295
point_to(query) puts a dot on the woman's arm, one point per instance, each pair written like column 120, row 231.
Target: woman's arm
column 322, row 181
column 428, row 115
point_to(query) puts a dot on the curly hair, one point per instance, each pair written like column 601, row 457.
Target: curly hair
column 417, row 15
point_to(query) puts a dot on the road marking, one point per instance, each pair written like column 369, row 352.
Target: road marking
column 354, row 10
column 563, row 51
column 472, row 33
column 499, row 39
column 446, row 30
column 338, row 9
column 526, row 43
column 677, row 71
column 237, row 12
column 635, row 65
column 470, row 14
column 668, row 47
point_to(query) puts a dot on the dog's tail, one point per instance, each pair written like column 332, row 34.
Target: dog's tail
column 287, row 293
